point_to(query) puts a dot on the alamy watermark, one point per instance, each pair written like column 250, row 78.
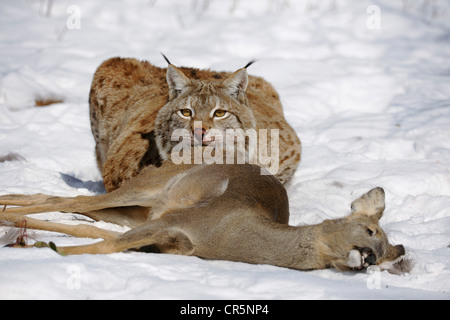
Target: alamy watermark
column 73, row 21
column 373, row 21
column 374, row 279
column 234, row 146
column 73, row 281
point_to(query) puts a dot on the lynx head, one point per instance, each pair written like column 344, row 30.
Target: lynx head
column 202, row 109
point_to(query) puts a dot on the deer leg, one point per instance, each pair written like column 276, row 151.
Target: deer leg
column 96, row 207
column 23, row 200
column 123, row 216
column 30, row 204
column 168, row 240
column 140, row 193
column 80, row 230
column 137, row 192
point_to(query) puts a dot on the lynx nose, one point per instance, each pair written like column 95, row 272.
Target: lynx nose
column 199, row 133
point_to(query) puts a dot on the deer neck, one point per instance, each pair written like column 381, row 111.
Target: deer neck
column 281, row 245
column 298, row 247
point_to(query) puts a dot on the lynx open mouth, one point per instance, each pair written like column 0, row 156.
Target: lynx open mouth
column 203, row 143
column 201, row 137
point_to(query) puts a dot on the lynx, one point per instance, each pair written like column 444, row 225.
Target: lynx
column 135, row 109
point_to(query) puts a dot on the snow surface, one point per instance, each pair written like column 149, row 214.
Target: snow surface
column 365, row 85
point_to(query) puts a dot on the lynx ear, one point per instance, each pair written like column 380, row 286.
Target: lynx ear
column 177, row 81
column 236, row 84
column 370, row 204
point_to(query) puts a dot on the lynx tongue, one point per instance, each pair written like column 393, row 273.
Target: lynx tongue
column 199, row 133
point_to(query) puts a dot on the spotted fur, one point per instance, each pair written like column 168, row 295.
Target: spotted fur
column 134, row 105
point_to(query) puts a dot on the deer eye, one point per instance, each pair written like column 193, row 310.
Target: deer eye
column 369, row 232
column 220, row 113
column 185, row 113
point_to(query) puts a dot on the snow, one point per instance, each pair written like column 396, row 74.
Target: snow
column 365, row 84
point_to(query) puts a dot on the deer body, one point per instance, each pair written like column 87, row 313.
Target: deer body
column 229, row 212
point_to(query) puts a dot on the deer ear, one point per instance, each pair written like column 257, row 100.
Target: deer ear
column 236, row 84
column 177, row 81
column 370, row 204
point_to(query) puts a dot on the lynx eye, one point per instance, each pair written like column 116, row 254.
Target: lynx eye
column 370, row 232
column 220, row 113
column 185, row 113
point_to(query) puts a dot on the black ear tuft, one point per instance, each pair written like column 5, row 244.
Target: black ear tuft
column 250, row 63
column 165, row 58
